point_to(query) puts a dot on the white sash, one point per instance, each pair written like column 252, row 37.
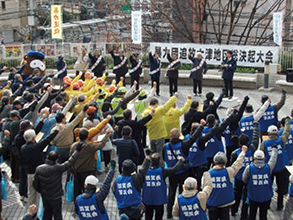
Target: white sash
column 136, row 68
column 62, row 70
column 120, row 64
column 96, row 63
column 198, row 67
column 156, row 70
column 85, row 58
column 172, row 64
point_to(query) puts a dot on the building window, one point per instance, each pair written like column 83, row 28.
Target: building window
column 3, row 5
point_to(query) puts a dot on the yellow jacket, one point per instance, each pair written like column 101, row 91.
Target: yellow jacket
column 96, row 130
column 76, row 79
column 88, row 83
column 172, row 117
column 75, row 93
column 78, row 108
column 2, row 90
column 156, row 128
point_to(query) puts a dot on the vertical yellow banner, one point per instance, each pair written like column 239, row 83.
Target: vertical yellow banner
column 56, row 22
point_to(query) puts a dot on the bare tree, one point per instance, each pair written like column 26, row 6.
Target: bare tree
column 239, row 22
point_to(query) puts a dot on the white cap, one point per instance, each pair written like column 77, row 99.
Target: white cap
column 273, row 129
column 92, row 180
column 259, row 155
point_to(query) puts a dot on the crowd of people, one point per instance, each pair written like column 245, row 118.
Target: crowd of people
column 50, row 131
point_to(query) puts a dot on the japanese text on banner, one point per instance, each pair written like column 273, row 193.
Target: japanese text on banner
column 56, row 21
column 249, row 56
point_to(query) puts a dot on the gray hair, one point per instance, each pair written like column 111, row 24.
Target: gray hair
column 29, row 135
column 190, row 183
column 220, row 158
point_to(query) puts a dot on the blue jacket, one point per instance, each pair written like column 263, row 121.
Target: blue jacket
column 259, row 185
column 126, row 149
column 228, row 72
column 102, row 194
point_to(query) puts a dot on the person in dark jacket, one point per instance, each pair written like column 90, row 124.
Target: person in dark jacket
column 229, row 66
column 61, row 68
column 172, row 72
column 98, row 63
column 93, row 197
column 240, row 188
column 199, row 67
column 34, row 88
column 130, row 205
column 52, row 95
column 86, row 163
column 13, row 71
column 120, row 65
column 215, row 144
column 136, row 69
column 31, row 156
column 48, row 182
column 154, row 196
column 193, row 115
column 18, row 142
column 16, row 82
column 155, row 70
column 271, row 114
column 136, row 127
column 126, row 147
column 210, row 98
column 232, row 131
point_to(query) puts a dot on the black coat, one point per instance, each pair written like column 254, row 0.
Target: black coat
column 137, row 127
column 123, row 69
column 195, row 116
column 173, row 74
column 133, row 65
column 31, row 154
column 228, row 72
column 48, row 177
column 19, row 141
column 100, row 68
column 206, row 104
column 198, row 74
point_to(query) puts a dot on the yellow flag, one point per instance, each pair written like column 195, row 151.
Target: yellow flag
column 56, row 22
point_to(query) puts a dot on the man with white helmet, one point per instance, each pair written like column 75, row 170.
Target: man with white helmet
column 279, row 170
column 259, row 183
column 222, row 196
column 192, row 196
column 90, row 204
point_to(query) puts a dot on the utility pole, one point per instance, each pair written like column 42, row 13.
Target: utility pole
column 31, row 19
column 287, row 22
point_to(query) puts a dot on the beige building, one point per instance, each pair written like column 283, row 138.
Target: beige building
column 13, row 17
